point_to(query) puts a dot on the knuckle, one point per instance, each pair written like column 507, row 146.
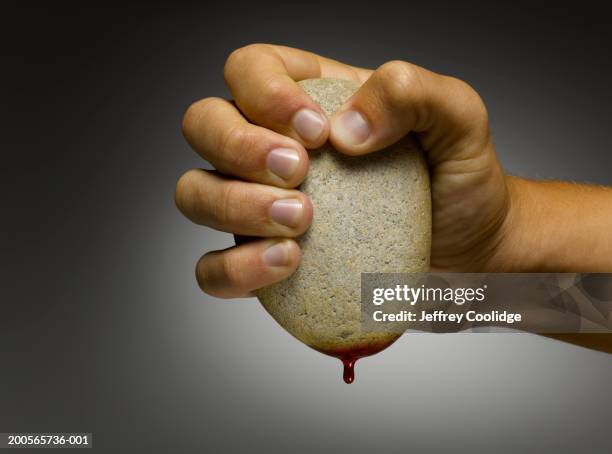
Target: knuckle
column 239, row 208
column 474, row 108
column 244, row 157
column 202, row 274
column 274, row 89
column 184, row 187
column 274, row 96
column 400, row 81
column 217, row 272
column 233, row 138
column 231, row 271
column 233, row 61
column 207, row 272
column 238, row 145
column 231, row 204
column 233, row 274
column 239, row 58
column 194, row 113
column 190, row 119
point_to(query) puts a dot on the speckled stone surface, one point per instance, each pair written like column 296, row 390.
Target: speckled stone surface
column 371, row 214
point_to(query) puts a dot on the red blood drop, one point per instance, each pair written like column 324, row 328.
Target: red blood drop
column 349, row 369
column 350, row 356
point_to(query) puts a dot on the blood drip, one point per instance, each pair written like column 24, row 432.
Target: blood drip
column 350, row 356
column 349, row 370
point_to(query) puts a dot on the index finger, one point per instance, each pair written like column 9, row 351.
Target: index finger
column 263, row 78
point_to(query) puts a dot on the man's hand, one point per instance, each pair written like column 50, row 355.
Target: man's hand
column 482, row 220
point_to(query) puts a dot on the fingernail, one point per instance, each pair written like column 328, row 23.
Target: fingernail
column 351, row 128
column 308, row 124
column 286, row 211
column 283, row 162
column 276, row 255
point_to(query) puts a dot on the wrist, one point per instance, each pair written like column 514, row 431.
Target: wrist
column 554, row 227
column 509, row 254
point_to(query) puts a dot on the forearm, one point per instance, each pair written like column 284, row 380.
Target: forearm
column 556, row 227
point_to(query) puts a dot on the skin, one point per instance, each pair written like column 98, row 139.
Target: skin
column 483, row 220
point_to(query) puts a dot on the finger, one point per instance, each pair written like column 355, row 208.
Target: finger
column 399, row 98
column 222, row 136
column 242, row 208
column 262, row 79
column 237, row 271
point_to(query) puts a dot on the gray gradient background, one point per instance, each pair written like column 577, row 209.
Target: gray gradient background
column 102, row 326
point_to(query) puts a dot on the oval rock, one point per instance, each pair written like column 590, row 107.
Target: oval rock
column 372, row 213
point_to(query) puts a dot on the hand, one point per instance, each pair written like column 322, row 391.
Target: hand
column 250, row 194
column 482, row 220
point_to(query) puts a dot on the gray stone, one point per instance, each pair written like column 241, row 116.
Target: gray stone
column 371, row 214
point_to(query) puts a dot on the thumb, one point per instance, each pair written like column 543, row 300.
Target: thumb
column 447, row 115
